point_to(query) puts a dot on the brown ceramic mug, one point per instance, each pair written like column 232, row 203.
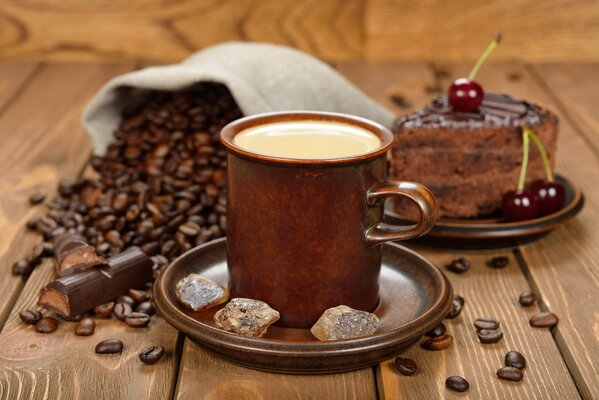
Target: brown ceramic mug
column 304, row 235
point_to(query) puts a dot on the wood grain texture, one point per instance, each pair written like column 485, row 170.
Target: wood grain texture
column 41, row 139
column 487, row 292
column 565, row 266
column 457, row 30
column 203, row 375
column 574, row 89
column 168, row 31
column 62, row 365
column 13, row 76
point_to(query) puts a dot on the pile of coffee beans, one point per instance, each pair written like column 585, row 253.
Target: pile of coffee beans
column 161, row 184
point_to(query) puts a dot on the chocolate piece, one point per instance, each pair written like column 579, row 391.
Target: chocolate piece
column 77, row 293
column 73, row 254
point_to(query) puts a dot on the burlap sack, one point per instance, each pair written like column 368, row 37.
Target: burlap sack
column 261, row 77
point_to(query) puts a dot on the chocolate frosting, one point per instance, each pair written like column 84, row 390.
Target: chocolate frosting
column 496, row 110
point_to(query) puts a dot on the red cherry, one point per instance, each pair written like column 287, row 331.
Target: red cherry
column 552, row 196
column 465, row 95
column 519, row 205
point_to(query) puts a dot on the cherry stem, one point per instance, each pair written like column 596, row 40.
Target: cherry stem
column 524, row 167
column 544, row 156
column 484, row 56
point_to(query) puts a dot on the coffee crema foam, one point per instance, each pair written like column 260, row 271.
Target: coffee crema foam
column 312, row 140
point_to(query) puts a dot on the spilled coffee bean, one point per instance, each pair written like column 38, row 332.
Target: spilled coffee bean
column 457, row 383
column 487, row 336
column 459, row 265
column 37, row 198
column 46, row 325
column 527, row 299
column 104, row 310
column 30, row 316
column 74, row 318
column 146, row 307
column 121, row 310
column 485, row 323
column 406, row 366
column 85, row 327
column 137, row 320
column 456, row 307
column 515, row 359
column 438, row 343
column 510, row 374
column 126, row 300
column 544, row 320
column 151, row 355
column 139, row 296
column 498, row 262
column 109, row 346
column 21, row 267
column 438, row 331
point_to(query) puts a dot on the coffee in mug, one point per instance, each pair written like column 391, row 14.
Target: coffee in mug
column 307, row 140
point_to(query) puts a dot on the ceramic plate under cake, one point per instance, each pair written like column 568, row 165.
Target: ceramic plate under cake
column 415, row 296
column 492, row 232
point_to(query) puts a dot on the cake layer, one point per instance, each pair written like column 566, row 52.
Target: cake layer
column 469, row 160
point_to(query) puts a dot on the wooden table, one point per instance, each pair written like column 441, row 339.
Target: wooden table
column 41, row 139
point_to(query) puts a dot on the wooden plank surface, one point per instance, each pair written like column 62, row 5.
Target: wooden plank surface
column 169, row 31
column 487, row 292
column 574, row 88
column 565, row 266
column 41, row 140
column 166, row 31
column 62, row 365
column 13, row 76
column 454, row 31
column 205, row 376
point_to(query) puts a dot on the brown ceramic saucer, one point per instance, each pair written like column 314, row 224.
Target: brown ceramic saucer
column 415, row 296
column 492, row 232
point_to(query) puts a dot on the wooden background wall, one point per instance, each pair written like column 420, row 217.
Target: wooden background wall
column 168, row 30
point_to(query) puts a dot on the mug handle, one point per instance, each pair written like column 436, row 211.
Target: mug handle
column 418, row 194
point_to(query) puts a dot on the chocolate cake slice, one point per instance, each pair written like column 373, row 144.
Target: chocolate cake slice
column 469, row 160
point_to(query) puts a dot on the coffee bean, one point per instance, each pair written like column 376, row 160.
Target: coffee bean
column 146, row 307
column 30, row 316
column 37, row 198
column 544, row 320
column 151, row 355
column 406, row 366
column 515, row 359
column 456, row 307
column 85, row 327
column 438, row 331
column 485, row 323
column 459, row 265
column 498, row 262
column 46, row 325
column 137, row 319
column 104, row 310
column 126, row 299
column 489, row 335
column 190, row 229
column 121, row 310
column 457, row 383
column 138, row 295
column 74, row 318
column 21, row 267
column 527, row 299
column 438, row 343
column 109, row 346
column 510, row 374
